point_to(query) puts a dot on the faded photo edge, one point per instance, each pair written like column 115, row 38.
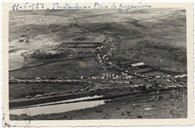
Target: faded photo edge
column 111, row 122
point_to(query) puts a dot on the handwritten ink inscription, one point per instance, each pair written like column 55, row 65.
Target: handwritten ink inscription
column 96, row 5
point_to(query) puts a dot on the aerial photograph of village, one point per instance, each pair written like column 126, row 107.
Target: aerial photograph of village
column 83, row 64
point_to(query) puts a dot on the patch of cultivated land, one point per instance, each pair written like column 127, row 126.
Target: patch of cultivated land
column 59, row 69
column 31, row 90
column 156, row 37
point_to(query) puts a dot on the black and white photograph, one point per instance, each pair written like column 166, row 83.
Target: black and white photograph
column 98, row 64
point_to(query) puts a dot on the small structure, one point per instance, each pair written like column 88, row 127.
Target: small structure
column 138, row 64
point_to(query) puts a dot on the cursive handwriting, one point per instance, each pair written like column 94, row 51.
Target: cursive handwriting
column 96, row 5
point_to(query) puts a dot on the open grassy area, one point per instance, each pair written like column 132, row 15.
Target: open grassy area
column 22, row 90
column 72, row 69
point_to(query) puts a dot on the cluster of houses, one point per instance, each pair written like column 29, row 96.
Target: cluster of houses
column 111, row 76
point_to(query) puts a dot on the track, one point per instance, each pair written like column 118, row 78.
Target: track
column 131, row 95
